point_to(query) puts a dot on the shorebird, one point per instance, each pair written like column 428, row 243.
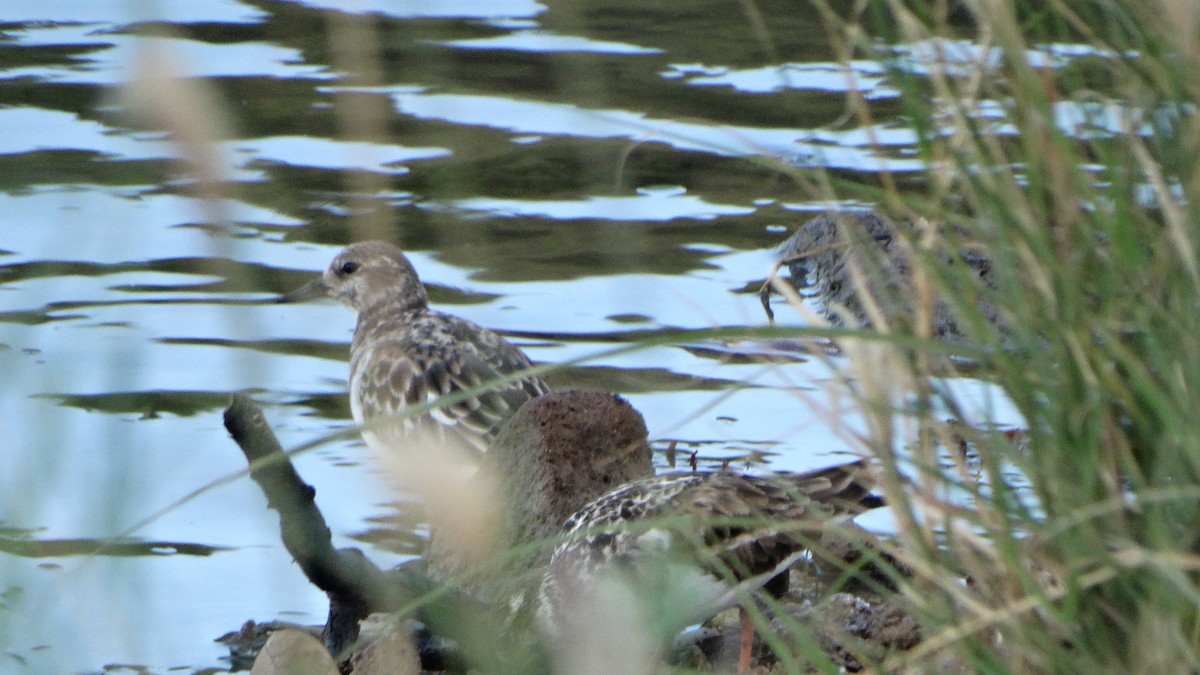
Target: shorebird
column 861, row 265
column 405, row 354
column 713, row 538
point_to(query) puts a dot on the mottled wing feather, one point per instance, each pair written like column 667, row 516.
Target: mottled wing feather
column 715, row 510
column 381, row 389
column 384, row 384
column 477, row 358
column 739, row 527
column 754, row 522
column 841, row 488
column 432, row 355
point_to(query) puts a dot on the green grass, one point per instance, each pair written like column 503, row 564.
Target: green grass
column 1093, row 235
column 1095, row 241
column 1091, row 232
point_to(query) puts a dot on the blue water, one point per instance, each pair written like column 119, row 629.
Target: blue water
column 569, row 183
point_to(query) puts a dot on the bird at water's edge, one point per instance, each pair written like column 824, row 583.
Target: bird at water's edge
column 705, row 540
column 405, row 354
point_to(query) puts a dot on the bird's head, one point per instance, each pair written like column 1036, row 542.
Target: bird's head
column 365, row 275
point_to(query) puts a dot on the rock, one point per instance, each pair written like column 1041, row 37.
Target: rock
column 392, row 652
column 293, row 652
column 247, row 642
column 849, row 629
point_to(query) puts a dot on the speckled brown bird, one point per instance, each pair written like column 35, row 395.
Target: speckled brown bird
column 821, row 254
column 733, row 534
column 405, row 354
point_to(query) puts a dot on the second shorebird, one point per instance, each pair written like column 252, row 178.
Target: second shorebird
column 405, row 354
column 692, row 544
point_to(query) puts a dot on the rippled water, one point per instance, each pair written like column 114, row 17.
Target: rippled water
column 577, row 177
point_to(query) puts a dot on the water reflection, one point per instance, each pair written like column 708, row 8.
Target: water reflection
column 542, row 41
column 648, row 205
column 865, row 78
column 577, row 186
column 854, row 150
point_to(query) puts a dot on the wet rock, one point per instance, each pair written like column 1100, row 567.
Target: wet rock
column 850, row 629
column 696, row 648
column 247, row 642
column 293, row 652
column 392, row 651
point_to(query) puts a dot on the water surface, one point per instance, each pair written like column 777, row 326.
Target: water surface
column 577, row 177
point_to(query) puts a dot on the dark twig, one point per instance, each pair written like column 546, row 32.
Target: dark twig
column 355, row 586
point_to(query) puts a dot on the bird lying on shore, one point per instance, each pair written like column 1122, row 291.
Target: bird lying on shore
column 715, row 538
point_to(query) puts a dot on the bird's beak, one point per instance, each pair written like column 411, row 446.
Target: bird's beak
column 317, row 288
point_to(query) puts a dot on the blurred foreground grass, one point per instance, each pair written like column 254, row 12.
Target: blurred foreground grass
column 1080, row 185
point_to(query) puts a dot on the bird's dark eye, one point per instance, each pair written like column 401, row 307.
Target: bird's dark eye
column 349, row 267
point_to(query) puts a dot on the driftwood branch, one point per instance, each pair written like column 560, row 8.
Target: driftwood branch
column 356, row 587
